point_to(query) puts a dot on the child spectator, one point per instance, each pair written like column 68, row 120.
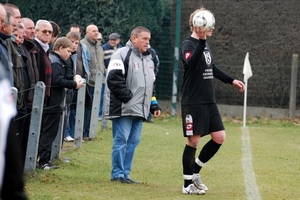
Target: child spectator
column 62, row 49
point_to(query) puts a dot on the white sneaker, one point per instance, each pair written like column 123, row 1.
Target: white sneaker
column 69, row 139
column 198, row 183
column 191, row 189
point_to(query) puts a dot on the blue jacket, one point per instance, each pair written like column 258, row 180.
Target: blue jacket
column 108, row 52
column 86, row 58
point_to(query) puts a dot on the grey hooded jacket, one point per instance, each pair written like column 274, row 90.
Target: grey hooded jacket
column 129, row 91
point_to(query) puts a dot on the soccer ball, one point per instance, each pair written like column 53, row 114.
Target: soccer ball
column 204, row 19
column 79, row 79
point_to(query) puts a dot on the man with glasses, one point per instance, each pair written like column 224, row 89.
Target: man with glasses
column 43, row 34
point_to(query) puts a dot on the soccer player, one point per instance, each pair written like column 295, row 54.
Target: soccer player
column 200, row 114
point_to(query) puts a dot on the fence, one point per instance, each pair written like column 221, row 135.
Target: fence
column 36, row 118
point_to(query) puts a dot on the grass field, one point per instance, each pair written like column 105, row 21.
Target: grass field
column 274, row 146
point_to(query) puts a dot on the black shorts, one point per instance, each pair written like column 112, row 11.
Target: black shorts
column 206, row 119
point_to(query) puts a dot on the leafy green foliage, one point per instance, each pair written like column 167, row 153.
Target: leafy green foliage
column 110, row 16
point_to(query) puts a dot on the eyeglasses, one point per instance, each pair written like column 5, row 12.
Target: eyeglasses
column 46, row 31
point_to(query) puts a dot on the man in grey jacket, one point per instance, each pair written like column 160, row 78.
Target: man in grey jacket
column 129, row 86
column 96, row 64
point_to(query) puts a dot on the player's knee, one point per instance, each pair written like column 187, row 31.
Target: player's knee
column 219, row 137
column 193, row 141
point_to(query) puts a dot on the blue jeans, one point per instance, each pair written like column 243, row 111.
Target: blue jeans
column 71, row 125
column 101, row 101
column 126, row 136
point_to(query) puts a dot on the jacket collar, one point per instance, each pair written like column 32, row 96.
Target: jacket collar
column 135, row 49
column 30, row 46
column 4, row 36
column 90, row 41
column 44, row 46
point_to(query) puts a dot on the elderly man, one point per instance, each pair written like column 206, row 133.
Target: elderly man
column 96, row 64
column 43, row 34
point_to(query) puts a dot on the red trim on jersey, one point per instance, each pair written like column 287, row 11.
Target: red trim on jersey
column 188, row 55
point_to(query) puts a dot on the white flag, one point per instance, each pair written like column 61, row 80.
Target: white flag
column 247, row 68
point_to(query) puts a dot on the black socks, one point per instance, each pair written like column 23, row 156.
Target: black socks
column 207, row 152
column 188, row 159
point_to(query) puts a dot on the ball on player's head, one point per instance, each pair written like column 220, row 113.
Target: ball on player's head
column 204, row 19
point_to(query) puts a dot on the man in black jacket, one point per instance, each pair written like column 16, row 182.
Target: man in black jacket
column 11, row 170
column 29, row 49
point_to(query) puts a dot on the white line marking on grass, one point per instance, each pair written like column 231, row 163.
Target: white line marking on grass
column 252, row 191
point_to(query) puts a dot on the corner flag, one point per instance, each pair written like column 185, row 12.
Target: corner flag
column 247, row 74
column 247, row 68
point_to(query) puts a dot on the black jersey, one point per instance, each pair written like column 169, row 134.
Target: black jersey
column 199, row 73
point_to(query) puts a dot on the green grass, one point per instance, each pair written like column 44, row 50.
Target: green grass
column 275, row 155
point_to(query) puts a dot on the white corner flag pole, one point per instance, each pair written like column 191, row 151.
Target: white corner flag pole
column 247, row 74
column 245, row 103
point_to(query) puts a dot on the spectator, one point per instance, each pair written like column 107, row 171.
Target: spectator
column 82, row 69
column 96, row 64
column 130, row 77
column 29, row 49
column 18, row 65
column 75, row 28
column 62, row 49
column 99, row 38
column 109, row 48
column 11, row 170
column 21, row 81
column 18, row 76
column 5, row 34
column 55, row 33
column 15, row 11
column 43, row 34
column 71, row 70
